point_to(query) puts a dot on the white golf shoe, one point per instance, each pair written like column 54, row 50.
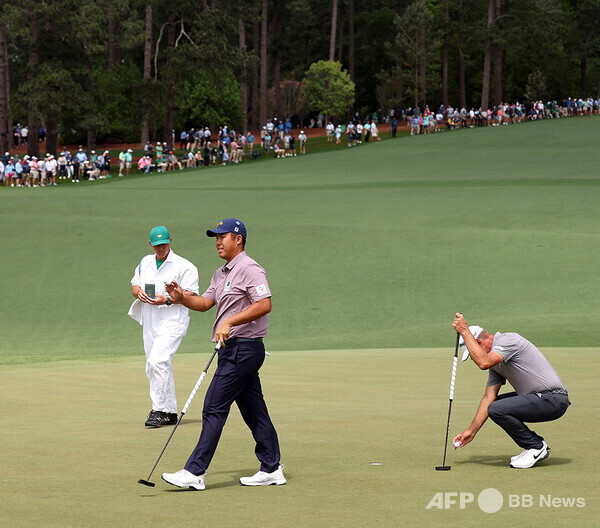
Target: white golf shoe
column 513, row 458
column 530, row 457
column 265, row 479
column 184, row 479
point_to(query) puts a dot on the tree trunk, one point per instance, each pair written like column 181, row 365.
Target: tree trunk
column 334, row 14
column 91, row 132
column 277, row 86
column 461, row 59
column 445, row 55
column 583, row 73
column 422, row 65
column 112, row 33
column 51, row 135
column 255, row 104
column 340, row 41
column 33, row 122
column 263, row 64
column 351, row 39
column 351, row 50
column 497, row 51
column 4, row 93
column 487, row 59
column 244, row 76
column 145, row 135
column 170, row 81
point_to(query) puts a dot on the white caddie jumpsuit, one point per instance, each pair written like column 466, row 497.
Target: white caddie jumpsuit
column 163, row 326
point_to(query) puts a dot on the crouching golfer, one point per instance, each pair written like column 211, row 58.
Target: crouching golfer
column 241, row 293
column 540, row 394
column 165, row 322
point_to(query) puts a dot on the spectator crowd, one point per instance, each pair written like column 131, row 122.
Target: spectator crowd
column 277, row 139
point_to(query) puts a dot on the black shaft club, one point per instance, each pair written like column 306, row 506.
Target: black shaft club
column 444, row 467
column 183, row 411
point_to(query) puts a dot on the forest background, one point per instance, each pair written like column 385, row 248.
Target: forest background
column 132, row 70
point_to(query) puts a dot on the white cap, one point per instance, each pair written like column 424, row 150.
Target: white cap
column 475, row 332
column 129, row 150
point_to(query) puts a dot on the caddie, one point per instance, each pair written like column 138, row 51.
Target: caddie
column 165, row 322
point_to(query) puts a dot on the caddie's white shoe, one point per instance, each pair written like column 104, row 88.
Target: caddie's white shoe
column 184, row 479
column 265, row 479
column 531, row 457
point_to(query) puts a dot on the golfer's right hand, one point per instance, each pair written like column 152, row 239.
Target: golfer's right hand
column 460, row 324
column 174, row 291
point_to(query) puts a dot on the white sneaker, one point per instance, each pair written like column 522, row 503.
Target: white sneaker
column 184, row 479
column 530, row 457
column 513, row 458
column 265, row 479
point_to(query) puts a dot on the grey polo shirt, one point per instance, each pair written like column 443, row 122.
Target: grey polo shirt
column 524, row 366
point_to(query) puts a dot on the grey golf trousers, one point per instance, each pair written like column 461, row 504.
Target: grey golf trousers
column 510, row 411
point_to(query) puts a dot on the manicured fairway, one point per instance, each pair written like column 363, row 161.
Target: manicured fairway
column 369, row 252
column 375, row 246
column 75, row 446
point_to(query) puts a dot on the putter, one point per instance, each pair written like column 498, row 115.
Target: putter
column 444, row 467
column 183, row 411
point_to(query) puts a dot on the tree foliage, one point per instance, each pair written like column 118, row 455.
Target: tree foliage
column 91, row 54
column 328, row 89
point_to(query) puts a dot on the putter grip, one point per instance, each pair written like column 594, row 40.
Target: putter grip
column 194, row 391
column 453, row 378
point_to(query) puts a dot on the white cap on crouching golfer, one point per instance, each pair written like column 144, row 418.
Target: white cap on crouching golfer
column 475, row 332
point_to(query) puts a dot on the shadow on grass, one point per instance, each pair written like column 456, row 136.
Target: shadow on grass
column 500, row 461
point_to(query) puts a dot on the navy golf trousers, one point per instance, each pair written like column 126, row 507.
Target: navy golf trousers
column 509, row 411
column 236, row 380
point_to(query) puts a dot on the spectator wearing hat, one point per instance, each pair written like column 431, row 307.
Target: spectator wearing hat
column 9, row 172
column 302, row 139
column 106, row 166
column 35, row 171
column 81, row 158
column 62, row 166
column 128, row 161
column 121, row 162
column 51, row 170
column 172, row 161
column 26, row 171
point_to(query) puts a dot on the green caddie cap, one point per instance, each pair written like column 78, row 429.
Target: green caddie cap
column 159, row 235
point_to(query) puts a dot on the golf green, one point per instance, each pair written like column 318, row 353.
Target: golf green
column 75, row 446
column 369, row 252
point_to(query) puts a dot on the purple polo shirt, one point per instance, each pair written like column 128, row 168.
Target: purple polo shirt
column 233, row 288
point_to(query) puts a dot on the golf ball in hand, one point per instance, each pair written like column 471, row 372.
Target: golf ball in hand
column 457, row 444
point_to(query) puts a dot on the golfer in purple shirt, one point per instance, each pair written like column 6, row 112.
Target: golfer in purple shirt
column 241, row 293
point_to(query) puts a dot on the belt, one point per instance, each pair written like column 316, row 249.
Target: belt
column 234, row 340
column 554, row 391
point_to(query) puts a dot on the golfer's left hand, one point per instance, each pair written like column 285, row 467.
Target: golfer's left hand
column 222, row 333
column 460, row 324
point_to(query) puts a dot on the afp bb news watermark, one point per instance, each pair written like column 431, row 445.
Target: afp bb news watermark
column 490, row 500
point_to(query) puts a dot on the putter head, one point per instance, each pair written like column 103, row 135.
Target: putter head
column 146, row 483
column 438, row 468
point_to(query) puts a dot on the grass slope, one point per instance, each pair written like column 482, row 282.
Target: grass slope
column 375, row 246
